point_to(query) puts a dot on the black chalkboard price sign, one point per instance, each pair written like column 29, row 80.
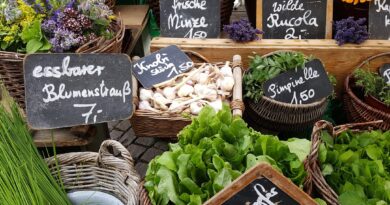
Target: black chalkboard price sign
column 190, row 18
column 295, row 19
column 301, row 86
column 261, row 185
column 379, row 19
column 385, row 72
column 64, row 90
column 161, row 66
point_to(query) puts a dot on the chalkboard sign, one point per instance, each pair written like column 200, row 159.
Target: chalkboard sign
column 301, row 86
column 385, row 72
column 295, row 19
column 379, row 19
column 190, row 18
column 262, row 185
column 161, row 66
column 64, row 90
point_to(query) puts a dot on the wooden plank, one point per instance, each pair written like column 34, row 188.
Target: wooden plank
column 133, row 16
column 63, row 137
column 338, row 60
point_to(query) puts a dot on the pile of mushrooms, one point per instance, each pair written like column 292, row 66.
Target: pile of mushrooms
column 191, row 91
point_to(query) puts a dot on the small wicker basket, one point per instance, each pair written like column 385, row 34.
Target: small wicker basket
column 103, row 171
column 150, row 124
column 359, row 111
column 315, row 179
column 11, row 63
column 226, row 10
column 272, row 115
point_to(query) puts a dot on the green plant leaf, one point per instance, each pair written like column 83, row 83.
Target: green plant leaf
column 33, row 46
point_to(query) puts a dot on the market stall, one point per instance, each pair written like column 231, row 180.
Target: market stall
column 288, row 106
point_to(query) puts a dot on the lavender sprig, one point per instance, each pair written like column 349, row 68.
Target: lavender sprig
column 350, row 30
column 242, row 31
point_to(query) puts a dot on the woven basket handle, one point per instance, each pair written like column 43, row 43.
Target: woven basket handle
column 372, row 58
column 109, row 148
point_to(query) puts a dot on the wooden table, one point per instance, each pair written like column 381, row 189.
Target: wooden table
column 135, row 17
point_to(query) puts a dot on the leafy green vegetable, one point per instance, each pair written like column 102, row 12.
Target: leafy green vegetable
column 211, row 153
column 356, row 166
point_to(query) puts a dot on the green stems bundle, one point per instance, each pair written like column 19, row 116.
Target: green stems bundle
column 24, row 175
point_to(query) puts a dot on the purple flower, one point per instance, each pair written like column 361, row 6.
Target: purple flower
column 49, row 26
column 64, row 40
column 351, row 31
column 242, row 31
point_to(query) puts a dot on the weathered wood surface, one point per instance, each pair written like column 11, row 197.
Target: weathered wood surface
column 338, row 60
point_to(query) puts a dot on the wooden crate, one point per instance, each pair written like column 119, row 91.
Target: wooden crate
column 338, row 60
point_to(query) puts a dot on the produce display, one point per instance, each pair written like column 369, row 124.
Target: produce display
column 373, row 84
column 266, row 68
column 356, row 166
column 24, row 175
column 189, row 92
column 49, row 25
column 213, row 151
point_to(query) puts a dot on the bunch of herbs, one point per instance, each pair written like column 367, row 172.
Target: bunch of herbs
column 24, row 175
column 266, row 68
column 373, row 84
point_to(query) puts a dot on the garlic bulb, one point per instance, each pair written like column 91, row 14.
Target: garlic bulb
column 211, row 94
column 169, row 93
column 161, row 101
column 185, row 90
column 203, row 78
column 216, row 105
column 145, row 94
column 145, row 105
column 196, row 107
column 226, row 70
column 227, row 84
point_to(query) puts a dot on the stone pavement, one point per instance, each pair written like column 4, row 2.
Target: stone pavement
column 142, row 149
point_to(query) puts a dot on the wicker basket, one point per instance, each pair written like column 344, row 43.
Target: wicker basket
column 272, row 115
column 11, row 63
column 103, row 171
column 357, row 110
column 315, row 179
column 150, row 124
column 226, row 10
column 111, row 3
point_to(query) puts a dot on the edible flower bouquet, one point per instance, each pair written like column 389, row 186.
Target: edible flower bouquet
column 29, row 26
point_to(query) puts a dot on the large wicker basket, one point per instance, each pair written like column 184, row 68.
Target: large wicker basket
column 272, row 115
column 103, row 171
column 315, row 180
column 11, row 63
column 150, row 124
column 359, row 111
column 226, row 10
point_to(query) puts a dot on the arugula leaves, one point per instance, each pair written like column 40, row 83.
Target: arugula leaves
column 357, row 166
column 211, row 153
